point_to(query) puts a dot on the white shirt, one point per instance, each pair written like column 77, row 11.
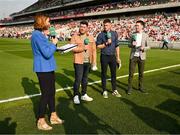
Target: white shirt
column 138, row 41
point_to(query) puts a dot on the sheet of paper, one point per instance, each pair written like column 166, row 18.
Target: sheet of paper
column 66, row 48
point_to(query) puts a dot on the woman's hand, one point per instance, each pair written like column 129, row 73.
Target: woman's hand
column 54, row 40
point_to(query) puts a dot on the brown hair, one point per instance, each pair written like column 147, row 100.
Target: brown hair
column 141, row 22
column 40, row 22
column 84, row 23
column 107, row 21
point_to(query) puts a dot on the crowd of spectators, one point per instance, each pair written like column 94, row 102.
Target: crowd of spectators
column 157, row 25
column 16, row 31
column 110, row 6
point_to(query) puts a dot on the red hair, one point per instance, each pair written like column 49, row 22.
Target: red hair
column 40, row 22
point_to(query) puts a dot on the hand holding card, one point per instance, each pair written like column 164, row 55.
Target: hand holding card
column 66, row 48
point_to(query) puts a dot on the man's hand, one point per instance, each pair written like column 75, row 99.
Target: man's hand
column 134, row 43
column 109, row 41
column 118, row 63
column 85, row 47
column 142, row 49
column 118, row 60
column 94, row 67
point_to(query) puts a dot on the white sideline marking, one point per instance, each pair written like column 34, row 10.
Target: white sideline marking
column 91, row 83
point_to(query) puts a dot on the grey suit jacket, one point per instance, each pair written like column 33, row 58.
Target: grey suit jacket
column 144, row 43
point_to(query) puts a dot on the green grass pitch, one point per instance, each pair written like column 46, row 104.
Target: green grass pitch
column 155, row 113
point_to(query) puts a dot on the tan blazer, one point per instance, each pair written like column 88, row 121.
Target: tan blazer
column 78, row 51
column 144, row 43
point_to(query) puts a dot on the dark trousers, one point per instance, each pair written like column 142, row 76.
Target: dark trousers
column 47, row 86
column 111, row 61
column 165, row 44
column 81, row 77
column 132, row 67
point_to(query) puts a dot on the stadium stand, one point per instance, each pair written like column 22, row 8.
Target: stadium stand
column 158, row 22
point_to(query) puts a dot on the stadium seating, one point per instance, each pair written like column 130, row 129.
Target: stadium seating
column 156, row 24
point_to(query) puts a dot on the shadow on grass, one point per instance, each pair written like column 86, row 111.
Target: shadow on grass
column 171, row 106
column 64, row 81
column 99, row 85
column 80, row 120
column 96, row 73
column 172, row 88
column 122, row 86
column 156, row 120
column 96, row 86
column 175, row 72
column 70, row 82
column 7, row 127
column 29, row 89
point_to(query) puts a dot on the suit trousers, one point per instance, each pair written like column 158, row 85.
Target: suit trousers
column 81, row 77
column 132, row 67
column 111, row 61
column 47, row 86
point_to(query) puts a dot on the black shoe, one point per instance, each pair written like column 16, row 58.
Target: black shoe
column 129, row 92
column 143, row 91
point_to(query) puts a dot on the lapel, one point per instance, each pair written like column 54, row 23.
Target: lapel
column 143, row 39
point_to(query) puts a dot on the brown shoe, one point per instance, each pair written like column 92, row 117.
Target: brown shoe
column 42, row 125
column 56, row 120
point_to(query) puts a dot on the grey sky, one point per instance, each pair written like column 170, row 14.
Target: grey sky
column 10, row 6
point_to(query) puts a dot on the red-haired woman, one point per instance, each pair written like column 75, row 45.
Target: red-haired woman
column 44, row 66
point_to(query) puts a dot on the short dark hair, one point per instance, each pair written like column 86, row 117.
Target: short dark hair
column 107, row 21
column 84, row 23
column 141, row 22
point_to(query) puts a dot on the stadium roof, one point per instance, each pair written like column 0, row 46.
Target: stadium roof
column 65, row 3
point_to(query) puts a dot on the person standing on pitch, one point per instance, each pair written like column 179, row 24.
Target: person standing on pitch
column 44, row 66
column 107, row 41
column 165, row 41
column 84, row 57
column 139, row 46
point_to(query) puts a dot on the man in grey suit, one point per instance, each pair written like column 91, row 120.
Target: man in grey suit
column 139, row 46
